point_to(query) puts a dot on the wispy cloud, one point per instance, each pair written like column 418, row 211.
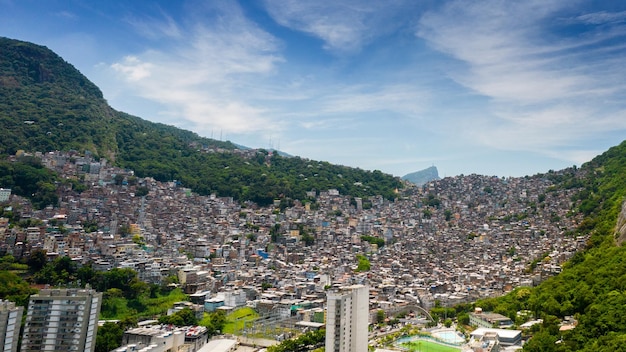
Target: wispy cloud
column 545, row 91
column 133, row 68
column 226, row 75
column 159, row 27
column 344, row 26
column 205, row 80
column 399, row 98
column 603, row 17
column 66, row 14
column 520, row 76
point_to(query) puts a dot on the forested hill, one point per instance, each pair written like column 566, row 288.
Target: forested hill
column 46, row 104
column 592, row 286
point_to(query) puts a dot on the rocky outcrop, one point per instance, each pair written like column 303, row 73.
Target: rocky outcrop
column 620, row 229
column 422, row 177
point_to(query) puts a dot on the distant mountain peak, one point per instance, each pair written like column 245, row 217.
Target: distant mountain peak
column 423, row 176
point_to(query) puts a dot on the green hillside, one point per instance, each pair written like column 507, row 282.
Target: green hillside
column 46, row 104
column 592, row 286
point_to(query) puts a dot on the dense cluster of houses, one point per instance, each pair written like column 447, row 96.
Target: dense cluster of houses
column 450, row 241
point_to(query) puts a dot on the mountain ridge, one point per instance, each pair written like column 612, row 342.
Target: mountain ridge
column 46, row 104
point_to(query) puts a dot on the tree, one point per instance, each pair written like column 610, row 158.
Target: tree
column 380, row 242
column 124, row 230
column 363, row 263
column 14, row 288
column 184, row 317
column 542, row 341
column 308, row 239
column 380, row 316
column 141, row 191
column 274, row 232
column 37, row 260
column 109, row 337
column 118, row 179
column 301, row 343
column 463, row 318
column 214, row 322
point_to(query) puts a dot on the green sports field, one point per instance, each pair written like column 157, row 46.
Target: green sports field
column 427, row 346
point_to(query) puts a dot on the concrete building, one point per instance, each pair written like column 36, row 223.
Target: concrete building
column 489, row 319
column 164, row 338
column 220, row 345
column 62, row 320
column 5, row 194
column 152, row 339
column 347, row 319
column 504, row 337
column 10, row 321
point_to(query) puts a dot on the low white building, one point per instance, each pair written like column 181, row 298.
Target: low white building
column 505, row 337
column 219, row 345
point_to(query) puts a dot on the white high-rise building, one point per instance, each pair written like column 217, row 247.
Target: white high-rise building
column 62, row 320
column 5, row 194
column 10, row 321
column 347, row 318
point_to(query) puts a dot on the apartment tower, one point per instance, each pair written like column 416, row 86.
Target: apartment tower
column 10, row 322
column 347, row 318
column 62, row 320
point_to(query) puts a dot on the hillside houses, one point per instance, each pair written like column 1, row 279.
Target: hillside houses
column 451, row 241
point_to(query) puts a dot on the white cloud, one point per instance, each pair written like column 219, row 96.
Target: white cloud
column 133, row 68
column 205, row 79
column 513, row 85
column 603, row 17
column 400, row 98
column 496, row 41
column 156, row 28
column 545, row 91
column 226, row 76
column 344, row 26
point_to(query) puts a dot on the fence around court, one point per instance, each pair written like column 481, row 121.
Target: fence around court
column 426, row 337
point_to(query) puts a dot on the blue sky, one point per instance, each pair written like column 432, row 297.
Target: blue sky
column 505, row 88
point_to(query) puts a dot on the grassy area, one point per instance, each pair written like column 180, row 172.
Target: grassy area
column 428, row 346
column 235, row 320
column 161, row 304
column 143, row 307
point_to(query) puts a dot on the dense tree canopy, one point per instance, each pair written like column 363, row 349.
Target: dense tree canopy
column 14, row 288
column 184, row 317
column 28, row 178
column 302, row 343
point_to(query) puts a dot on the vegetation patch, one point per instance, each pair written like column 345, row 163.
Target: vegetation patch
column 424, row 345
column 236, row 320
